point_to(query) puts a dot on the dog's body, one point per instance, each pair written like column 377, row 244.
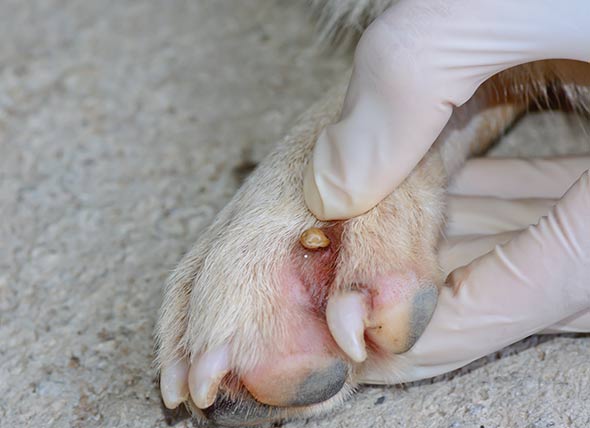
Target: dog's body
column 249, row 288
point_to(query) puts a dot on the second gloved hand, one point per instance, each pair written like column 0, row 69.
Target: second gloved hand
column 532, row 280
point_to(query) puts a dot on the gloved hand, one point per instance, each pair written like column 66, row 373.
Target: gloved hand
column 533, row 280
column 415, row 63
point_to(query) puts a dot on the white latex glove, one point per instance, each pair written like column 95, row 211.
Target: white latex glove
column 413, row 65
column 534, row 280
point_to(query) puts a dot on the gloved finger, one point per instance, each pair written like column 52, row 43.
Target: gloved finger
column 536, row 280
column 472, row 215
column 476, row 206
column 518, row 177
column 460, row 251
column 455, row 252
column 413, row 65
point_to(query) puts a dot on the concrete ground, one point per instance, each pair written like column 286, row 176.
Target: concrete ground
column 124, row 127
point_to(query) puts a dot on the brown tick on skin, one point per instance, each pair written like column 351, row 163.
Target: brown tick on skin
column 314, row 238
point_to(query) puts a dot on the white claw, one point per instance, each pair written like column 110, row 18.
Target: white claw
column 174, row 383
column 205, row 375
column 346, row 314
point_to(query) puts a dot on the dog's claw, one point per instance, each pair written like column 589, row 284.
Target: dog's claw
column 173, row 383
column 346, row 314
column 205, row 375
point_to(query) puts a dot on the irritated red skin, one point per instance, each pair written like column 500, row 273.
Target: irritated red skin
column 307, row 344
column 316, row 271
column 317, row 268
column 306, row 287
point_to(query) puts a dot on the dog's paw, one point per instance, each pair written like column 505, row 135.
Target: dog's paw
column 256, row 326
